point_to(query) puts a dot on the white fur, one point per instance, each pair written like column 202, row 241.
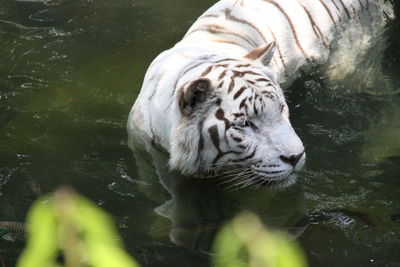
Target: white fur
column 156, row 113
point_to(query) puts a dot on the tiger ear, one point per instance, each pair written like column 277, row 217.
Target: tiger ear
column 263, row 53
column 194, row 94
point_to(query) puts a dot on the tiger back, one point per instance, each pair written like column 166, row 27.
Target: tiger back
column 215, row 101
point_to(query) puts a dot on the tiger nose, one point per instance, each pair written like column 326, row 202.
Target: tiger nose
column 293, row 159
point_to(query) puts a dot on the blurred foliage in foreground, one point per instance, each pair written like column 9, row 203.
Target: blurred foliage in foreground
column 69, row 225
column 66, row 229
column 245, row 242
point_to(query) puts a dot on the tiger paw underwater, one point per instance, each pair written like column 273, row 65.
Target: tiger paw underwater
column 215, row 101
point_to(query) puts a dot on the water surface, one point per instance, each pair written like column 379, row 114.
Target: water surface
column 69, row 73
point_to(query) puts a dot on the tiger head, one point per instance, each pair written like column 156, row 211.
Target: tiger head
column 233, row 119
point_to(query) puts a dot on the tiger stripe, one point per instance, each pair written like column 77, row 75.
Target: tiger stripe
column 291, row 26
column 243, row 104
column 277, row 48
column 220, row 114
column 229, row 16
column 222, row 75
column 361, row 4
column 210, row 29
column 213, row 131
column 247, row 157
column 345, row 9
column 367, row 1
column 329, row 13
column 231, row 85
column 207, row 71
column 337, row 9
column 317, row 31
column 201, row 139
column 239, row 92
column 226, row 42
column 213, row 99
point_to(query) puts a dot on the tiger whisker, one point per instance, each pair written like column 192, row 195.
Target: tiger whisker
column 234, row 170
column 230, row 178
column 252, row 182
column 227, row 163
column 227, row 173
column 242, row 179
column 234, row 185
column 242, row 184
column 239, row 178
column 246, row 183
column 236, row 176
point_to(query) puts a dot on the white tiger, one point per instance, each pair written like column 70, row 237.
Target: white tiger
column 214, row 101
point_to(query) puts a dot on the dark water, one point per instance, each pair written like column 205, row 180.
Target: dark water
column 69, row 73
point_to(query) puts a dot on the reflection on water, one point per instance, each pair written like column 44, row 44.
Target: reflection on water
column 69, row 72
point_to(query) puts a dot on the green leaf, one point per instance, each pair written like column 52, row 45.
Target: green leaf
column 100, row 237
column 245, row 242
column 42, row 245
column 79, row 229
